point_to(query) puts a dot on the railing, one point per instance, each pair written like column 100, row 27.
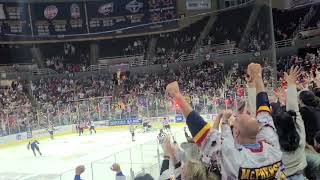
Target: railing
column 120, row 59
column 46, row 71
column 17, row 67
column 139, row 63
column 226, row 52
column 132, row 161
column 98, row 67
column 208, row 48
column 189, row 57
column 141, row 158
column 308, row 33
column 284, row 43
column 103, row 110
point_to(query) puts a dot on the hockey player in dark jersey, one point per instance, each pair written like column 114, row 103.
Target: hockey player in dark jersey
column 161, row 136
column 34, row 146
column 166, row 125
column 51, row 130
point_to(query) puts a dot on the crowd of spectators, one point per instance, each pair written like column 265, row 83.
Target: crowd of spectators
column 66, row 58
column 57, row 63
column 287, row 137
column 238, row 143
column 16, row 110
column 71, row 89
column 286, row 22
column 123, row 47
column 170, row 46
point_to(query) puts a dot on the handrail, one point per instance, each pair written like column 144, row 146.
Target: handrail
column 45, row 71
column 308, row 29
column 117, row 57
column 284, row 43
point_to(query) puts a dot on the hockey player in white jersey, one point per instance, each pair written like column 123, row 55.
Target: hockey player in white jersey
column 251, row 149
column 132, row 129
column 92, row 127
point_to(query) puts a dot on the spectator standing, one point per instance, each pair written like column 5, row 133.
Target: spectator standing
column 310, row 112
column 291, row 130
column 245, row 151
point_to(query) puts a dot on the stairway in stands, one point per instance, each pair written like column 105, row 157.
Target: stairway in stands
column 151, row 49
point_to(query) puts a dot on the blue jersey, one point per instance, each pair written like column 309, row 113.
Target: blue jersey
column 165, row 122
column 33, row 143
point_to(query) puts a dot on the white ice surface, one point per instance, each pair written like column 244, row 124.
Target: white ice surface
column 64, row 153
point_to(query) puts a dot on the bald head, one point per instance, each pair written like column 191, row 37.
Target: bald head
column 246, row 129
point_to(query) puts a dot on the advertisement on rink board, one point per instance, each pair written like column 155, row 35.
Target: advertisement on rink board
column 125, row 121
column 179, row 118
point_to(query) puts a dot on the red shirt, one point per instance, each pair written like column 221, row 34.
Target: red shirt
column 240, row 92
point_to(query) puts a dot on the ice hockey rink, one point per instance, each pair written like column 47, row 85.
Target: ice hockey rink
column 97, row 152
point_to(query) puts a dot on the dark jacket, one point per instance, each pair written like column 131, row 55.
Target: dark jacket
column 311, row 118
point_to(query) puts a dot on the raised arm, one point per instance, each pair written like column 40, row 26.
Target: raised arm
column 292, row 102
column 263, row 112
column 197, row 126
column 292, row 94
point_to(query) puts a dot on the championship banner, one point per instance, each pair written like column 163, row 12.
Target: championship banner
column 14, row 19
column 58, row 18
column 130, row 15
column 106, row 17
column 198, row 4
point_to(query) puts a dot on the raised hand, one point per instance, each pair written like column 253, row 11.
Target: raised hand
column 80, row 169
column 254, row 71
column 226, row 116
column 293, row 75
column 115, row 167
column 173, row 89
column 168, row 147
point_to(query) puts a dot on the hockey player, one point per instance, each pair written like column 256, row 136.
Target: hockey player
column 82, row 125
column 92, row 127
column 252, row 151
column 51, row 130
column 146, row 125
column 166, row 125
column 131, row 129
column 161, row 136
column 34, row 146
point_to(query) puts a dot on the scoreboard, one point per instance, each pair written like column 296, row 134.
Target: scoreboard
column 51, row 19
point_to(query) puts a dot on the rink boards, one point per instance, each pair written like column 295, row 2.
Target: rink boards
column 24, row 137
